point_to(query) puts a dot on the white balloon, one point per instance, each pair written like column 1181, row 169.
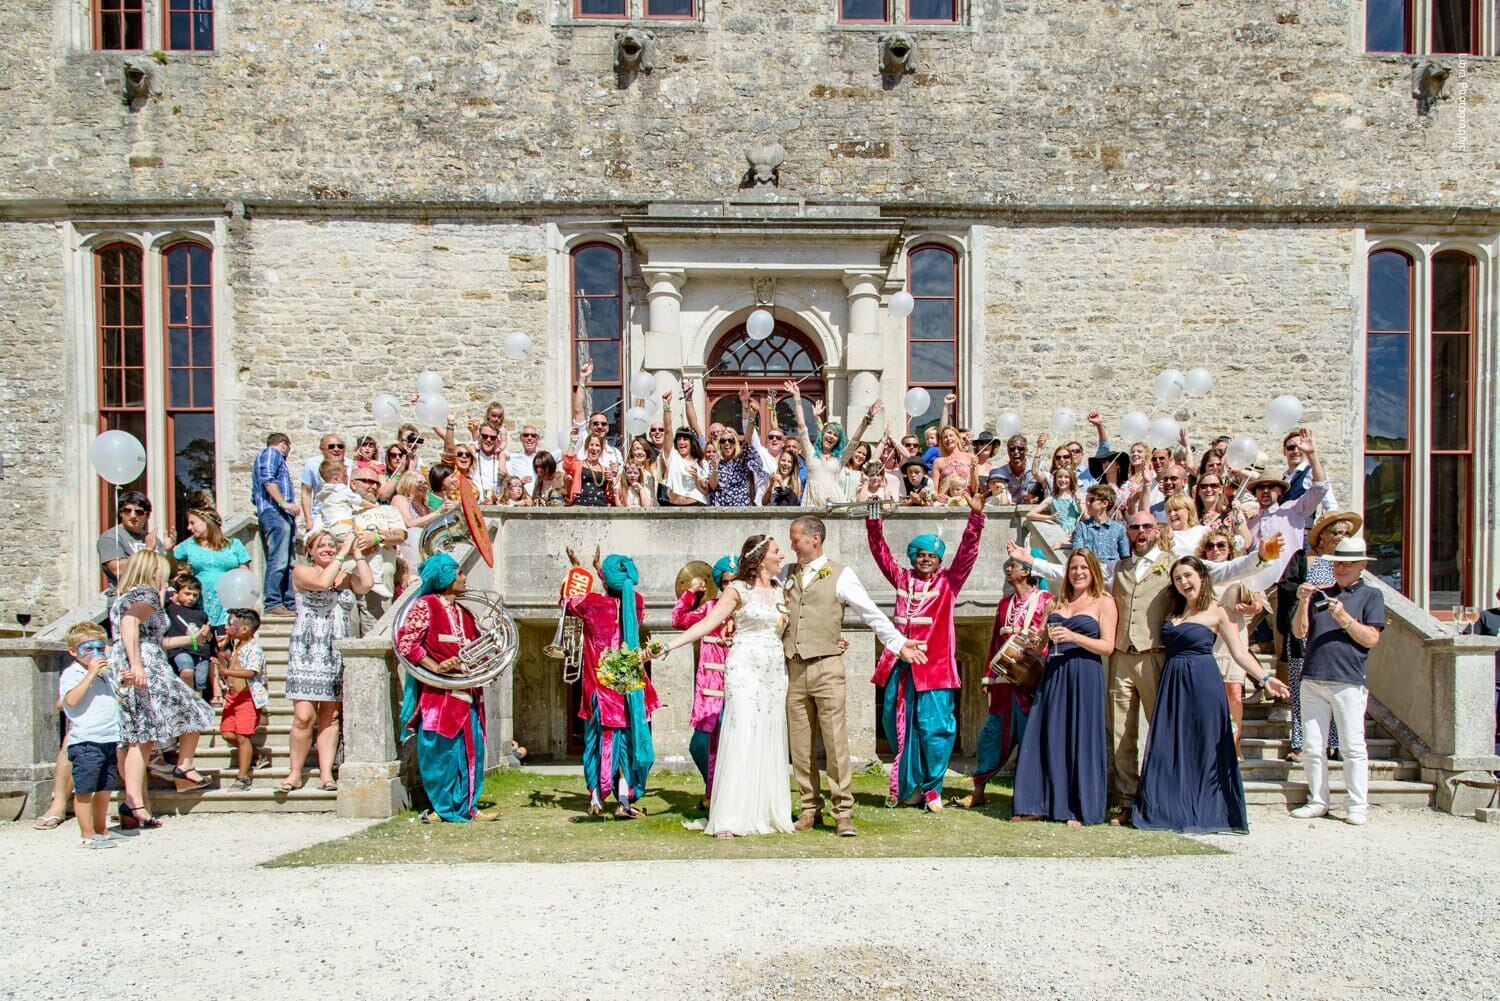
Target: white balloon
column 1008, row 424
column 1062, row 421
column 1163, row 433
column 429, row 383
column 516, row 345
column 1169, row 385
column 642, row 386
column 1283, row 414
column 118, row 457
column 1241, row 451
column 386, row 408
column 432, row 410
column 564, row 439
column 637, row 420
column 901, row 305
column 917, row 401
column 1198, row 381
column 760, row 324
column 1134, row 427
column 239, row 588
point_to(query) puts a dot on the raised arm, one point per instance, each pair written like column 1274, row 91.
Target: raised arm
column 580, row 393
column 881, row 551
column 864, row 424
column 968, row 546
column 1237, row 652
column 691, row 409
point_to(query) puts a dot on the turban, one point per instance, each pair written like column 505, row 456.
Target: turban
column 927, row 542
column 620, row 576
column 438, row 573
column 727, row 566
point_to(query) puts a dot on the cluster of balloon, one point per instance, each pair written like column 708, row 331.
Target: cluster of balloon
column 901, row 305
column 432, row 407
column 917, row 401
column 239, row 588
column 1007, row 424
column 760, row 324
column 1283, row 414
column 118, row 457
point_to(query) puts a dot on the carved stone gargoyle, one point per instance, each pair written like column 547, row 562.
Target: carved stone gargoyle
column 138, row 83
column 898, row 56
column 765, row 165
column 635, row 52
column 1427, row 80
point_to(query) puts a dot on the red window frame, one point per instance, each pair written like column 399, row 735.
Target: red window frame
column 952, row 340
column 691, row 15
column 1465, row 456
column 865, row 20
column 932, row 20
column 580, row 15
column 122, row 11
column 1404, row 455
column 116, row 411
column 615, row 420
column 191, row 8
column 193, row 404
column 1475, row 30
column 1408, row 43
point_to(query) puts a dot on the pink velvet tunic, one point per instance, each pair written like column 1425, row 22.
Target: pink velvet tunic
column 924, row 609
column 708, row 683
column 601, row 632
column 431, row 630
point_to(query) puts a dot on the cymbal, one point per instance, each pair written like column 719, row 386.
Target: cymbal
column 699, row 569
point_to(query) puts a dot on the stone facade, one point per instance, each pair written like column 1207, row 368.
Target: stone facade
column 387, row 188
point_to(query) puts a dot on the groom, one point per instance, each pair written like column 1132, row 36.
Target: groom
column 817, row 591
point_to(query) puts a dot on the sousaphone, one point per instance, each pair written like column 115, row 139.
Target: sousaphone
column 481, row 660
column 466, row 524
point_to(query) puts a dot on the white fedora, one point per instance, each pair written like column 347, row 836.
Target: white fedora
column 1351, row 549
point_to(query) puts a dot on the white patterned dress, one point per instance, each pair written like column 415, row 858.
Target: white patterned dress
column 166, row 708
column 752, row 790
column 314, row 669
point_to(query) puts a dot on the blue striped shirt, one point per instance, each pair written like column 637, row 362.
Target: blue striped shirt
column 270, row 467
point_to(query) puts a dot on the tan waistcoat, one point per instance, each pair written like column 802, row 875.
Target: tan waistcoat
column 1142, row 606
column 815, row 619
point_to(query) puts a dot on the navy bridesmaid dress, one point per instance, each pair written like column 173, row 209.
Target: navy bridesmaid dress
column 1063, row 771
column 1190, row 781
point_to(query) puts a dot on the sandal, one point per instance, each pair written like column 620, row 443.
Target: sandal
column 241, row 785
column 132, row 817
column 47, row 823
column 287, row 786
column 626, row 812
column 429, row 817
column 329, row 786
column 188, row 775
column 1294, row 756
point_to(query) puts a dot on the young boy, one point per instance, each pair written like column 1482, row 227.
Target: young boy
column 185, row 617
column 88, row 700
column 342, row 511
column 243, row 669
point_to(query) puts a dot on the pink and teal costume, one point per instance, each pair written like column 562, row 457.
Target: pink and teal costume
column 920, row 700
column 617, row 749
column 708, row 682
column 1009, row 706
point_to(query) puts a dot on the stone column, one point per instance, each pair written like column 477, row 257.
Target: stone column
column 865, row 356
column 859, row 695
column 369, row 779
column 664, row 326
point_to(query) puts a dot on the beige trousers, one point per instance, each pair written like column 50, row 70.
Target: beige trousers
column 815, row 697
column 1133, row 678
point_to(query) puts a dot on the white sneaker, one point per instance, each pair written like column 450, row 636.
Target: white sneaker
column 1357, row 819
column 96, row 842
column 1309, row 811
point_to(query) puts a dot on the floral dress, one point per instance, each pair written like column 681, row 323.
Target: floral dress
column 736, row 481
column 166, row 708
column 314, row 669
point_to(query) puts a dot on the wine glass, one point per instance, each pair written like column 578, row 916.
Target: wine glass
column 23, row 619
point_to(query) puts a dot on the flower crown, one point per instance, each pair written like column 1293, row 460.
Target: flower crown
column 759, row 548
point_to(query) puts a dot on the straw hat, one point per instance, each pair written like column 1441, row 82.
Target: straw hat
column 1328, row 521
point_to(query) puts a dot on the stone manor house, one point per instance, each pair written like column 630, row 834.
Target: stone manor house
column 220, row 219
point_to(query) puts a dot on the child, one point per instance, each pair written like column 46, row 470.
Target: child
column 243, row 668
column 185, row 617
column 88, row 700
column 1062, row 507
column 342, row 511
column 918, row 484
column 999, row 490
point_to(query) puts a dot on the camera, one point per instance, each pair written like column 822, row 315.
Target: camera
column 1319, row 603
column 413, row 440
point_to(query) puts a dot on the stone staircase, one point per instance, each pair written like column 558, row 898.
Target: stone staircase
column 215, row 758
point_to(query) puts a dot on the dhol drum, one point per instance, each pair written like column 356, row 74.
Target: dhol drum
column 1018, row 663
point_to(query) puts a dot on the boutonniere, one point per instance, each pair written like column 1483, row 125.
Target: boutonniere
column 823, row 572
column 1160, row 568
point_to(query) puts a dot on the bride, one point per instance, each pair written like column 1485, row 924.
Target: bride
column 751, row 792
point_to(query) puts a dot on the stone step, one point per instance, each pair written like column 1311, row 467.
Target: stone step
column 1382, row 793
column 223, row 774
column 1276, row 748
column 1379, row 769
column 260, row 799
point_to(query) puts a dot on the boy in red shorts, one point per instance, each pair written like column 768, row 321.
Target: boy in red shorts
column 243, row 669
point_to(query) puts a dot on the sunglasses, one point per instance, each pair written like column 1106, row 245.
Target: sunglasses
column 598, row 424
column 496, row 437
column 1140, row 528
column 1221, row 544
column 1209, row 486
column 135, row 510
column 658, row 430
column 463, row 455
column 338, row 447
column 395, row 453
column 412, row 439
column 1076, row 451
column 366, row 482
column 776, row 437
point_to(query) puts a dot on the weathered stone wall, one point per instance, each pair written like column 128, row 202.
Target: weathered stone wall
column 1086, row 317
column 36, row 378
column 329, row 313
column 1243, row 102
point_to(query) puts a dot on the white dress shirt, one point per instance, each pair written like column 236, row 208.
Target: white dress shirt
column 852, row 594
column 489, row 472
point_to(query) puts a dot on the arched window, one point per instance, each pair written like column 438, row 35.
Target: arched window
column 787, row 353
column 188, row 291
column 1419, row 424
column 598, row 325
column 932, row 328
column 120, row 311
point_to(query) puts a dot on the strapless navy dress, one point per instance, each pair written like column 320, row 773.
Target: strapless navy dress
column 1063, row 771
column 1190, row 780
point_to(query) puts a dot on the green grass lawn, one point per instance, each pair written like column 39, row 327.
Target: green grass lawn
column 543, row 819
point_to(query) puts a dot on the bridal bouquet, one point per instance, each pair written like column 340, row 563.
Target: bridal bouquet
column 621, row 669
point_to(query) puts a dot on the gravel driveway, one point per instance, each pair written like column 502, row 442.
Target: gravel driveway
column 1408, row 906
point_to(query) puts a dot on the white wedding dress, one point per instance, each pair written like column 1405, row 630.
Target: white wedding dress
column 752, row 792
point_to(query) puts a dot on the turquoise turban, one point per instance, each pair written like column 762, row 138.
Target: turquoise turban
column 620, row 576
column 727, row 566
column 438, row 573
column 925, row 543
